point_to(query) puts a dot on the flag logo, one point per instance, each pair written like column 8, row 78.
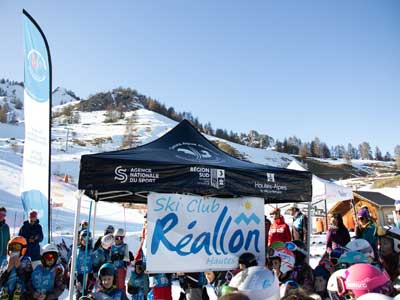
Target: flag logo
column 37, row 66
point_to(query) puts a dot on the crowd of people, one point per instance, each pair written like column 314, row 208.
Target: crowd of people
column 365, row 267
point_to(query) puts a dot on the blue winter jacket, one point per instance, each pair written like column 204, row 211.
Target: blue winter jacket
column 33, row 235
column 4, row 238
column 16, row 279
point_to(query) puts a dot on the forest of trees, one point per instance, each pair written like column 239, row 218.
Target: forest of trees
column 121, row 100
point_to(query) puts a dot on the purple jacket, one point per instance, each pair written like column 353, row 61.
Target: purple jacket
column 337, row 237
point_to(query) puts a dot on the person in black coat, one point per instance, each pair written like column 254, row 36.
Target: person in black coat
column 32, row 231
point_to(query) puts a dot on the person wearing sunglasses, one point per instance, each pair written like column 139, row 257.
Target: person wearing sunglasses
column 300, row 224
column 338, row 235
column 120, row 257
column 366, row 229
column 4, row 234
column 15, row 271
column 48, row 277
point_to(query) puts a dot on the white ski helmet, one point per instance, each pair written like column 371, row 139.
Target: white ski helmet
column 107, row 241
column 48, row 248
column 119, row 232
column 390, row 232
column 257, row 283
column 362, row 246
column 374, row 296
column 332, row 286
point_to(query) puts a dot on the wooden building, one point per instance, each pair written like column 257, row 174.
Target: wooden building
column 381, row 208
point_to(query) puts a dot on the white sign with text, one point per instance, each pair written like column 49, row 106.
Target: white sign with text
column 197, row 234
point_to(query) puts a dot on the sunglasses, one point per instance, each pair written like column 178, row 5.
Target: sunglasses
column 14, row 247
column 293, row 247
column 119, row 238
column 2, row 214
column 49, row 256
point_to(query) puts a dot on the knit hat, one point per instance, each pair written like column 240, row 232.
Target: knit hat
column 363, row 213
column 33, row 214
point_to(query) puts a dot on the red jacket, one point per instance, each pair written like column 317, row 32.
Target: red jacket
column 279, row 232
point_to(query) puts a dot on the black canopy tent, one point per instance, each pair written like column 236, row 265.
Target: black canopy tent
column 182, row 161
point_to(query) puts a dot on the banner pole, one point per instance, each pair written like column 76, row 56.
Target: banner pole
column 94, row 222
column 75, row 244
column 85, row 274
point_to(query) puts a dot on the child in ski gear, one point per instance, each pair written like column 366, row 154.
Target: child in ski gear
column 161, row 286
column 15, row 271
column 106, row 277
column 109, row 229
column 192, row 284
column 321, row 276
column 4, row 234
column 137, row 282
column 48, row 277
column 302, row 272
column 279, row 230
column 247, row 260
column 84, row 263
column 217, row 279
column 31, row 230
column 102, row 254
column 120, row 257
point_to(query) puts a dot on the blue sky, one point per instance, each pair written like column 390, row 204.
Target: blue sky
column 307, row 68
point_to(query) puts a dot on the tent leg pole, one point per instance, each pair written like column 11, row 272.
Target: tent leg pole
column 309, row 228
column 75, row 244
column 326, row 217
column 94, row 222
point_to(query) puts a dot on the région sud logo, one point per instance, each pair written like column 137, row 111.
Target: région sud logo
column 37, row 65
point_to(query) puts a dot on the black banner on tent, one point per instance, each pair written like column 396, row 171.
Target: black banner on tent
column 184, row 161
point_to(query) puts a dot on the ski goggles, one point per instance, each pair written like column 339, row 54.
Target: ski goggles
column 2, row 214
column 328, row 265
column 385, row 231
column 49, row 256
column 119, row 238
column 293, row 247
column 15, row 247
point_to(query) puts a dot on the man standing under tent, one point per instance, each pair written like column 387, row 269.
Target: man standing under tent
column 300, row 224
column 4, row 234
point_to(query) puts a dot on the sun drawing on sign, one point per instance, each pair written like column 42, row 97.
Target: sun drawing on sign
column 247, row 205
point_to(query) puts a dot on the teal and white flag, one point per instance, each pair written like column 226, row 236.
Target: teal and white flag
column 35, row 189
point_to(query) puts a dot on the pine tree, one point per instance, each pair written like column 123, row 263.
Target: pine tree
column 365, row 150
column 397, row 156
column 378, row 153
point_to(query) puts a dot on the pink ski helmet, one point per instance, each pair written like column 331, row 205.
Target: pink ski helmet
column 360, row 279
